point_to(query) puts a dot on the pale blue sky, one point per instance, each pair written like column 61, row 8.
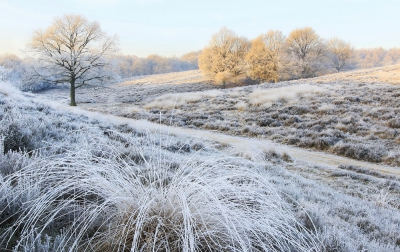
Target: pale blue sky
column 175, row 27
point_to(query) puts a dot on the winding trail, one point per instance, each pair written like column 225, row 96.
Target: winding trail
column 252, row 146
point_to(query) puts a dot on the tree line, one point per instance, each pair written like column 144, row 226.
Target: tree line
column 76, row 51
column 272, row 57
column 122, row 66
column 132, row 65
column 125, row 66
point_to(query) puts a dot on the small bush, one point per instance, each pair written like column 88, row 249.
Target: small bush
column 178, row 147
column 198, row 146
column 364, row 152
column 265, row 122
column 394, row 123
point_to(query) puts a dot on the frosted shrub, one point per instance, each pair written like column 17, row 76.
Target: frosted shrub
column 368, row 152
column 7, row 89
column 12, row 162
column 394, row 123
column 106, row 203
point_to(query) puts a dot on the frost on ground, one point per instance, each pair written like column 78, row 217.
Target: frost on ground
column 176, row 78
column 70, row 180
column 352, row 114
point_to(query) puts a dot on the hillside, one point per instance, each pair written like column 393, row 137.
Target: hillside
column 72, row 180
column 105, row 177
column 387, row 74
column 176, row 78
column 353, row 114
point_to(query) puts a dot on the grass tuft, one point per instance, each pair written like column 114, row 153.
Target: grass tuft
column 102, row 201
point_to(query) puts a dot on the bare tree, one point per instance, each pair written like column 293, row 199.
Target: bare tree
column 265, row 57
column 306, row 50
column 73, row 51
column 223, row 59
column 341, row 53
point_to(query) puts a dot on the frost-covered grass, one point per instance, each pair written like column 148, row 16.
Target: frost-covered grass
column 106, row 204
column 265, row 98
column 186, row 77
column 386, row 74
column 345, row 208
column 171, row 101
column 7, row 89
column 354, row 114
column 73, row 183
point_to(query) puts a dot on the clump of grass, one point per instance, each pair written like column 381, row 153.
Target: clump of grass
column 366, row 152
column 394, row 123
column 102, row 202
column 241, row 106
column 170, row 101
column 267, row 97
column 275, row 157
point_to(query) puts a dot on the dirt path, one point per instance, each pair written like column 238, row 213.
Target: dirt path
column 254, row 145
column 250, row 146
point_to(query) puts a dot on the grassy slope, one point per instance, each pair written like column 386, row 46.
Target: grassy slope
column 386, row 74
column 354, row 114
column 69, row 181
column 352, row 208
column 178, row 78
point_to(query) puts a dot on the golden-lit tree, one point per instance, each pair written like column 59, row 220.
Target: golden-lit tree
column 73, row 51
column 306, row 51
column 223, row 59
column 265, row 57
column 341, row 54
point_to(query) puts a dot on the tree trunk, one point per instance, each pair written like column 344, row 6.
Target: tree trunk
column 72, row 82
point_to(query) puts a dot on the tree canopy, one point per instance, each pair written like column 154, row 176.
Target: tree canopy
column 72, row 50
column 264, row 59
column 223, row 59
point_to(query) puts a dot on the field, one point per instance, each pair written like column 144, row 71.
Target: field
column 354, row 114
column 170, row 163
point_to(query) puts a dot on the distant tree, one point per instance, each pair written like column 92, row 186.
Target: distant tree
column 341, row 54
column 223, row 59
column 20, row 73
column 265, row 57
column 369, row 58
column 140, row 67
column 9, row 60
column 12, row 65
column 124, row 63
column 191, row 59
column 392, row 57
column 306, row 51
column 132, row 65
column 73, row 51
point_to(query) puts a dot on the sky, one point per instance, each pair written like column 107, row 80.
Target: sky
column 175, row 27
